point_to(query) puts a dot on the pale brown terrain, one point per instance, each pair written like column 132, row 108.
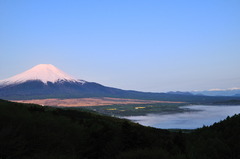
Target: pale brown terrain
column 78, row 102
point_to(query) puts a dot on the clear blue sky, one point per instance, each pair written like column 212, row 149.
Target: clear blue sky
column 146, row 45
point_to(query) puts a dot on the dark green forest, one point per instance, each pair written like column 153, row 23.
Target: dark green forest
column 36, row 132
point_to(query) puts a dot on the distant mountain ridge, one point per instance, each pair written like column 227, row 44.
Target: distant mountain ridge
column 219, row 92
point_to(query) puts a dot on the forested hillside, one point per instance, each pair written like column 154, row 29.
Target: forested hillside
column 32, row 131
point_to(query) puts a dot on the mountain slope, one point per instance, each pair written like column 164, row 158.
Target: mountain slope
column 221, row 140
column 39, row 90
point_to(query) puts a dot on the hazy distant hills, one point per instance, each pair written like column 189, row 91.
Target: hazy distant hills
column 46, row 81
column 219, row 92
column 212, row 92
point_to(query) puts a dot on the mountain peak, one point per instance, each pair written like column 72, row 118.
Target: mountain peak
column 43, row 72
column 42, row 66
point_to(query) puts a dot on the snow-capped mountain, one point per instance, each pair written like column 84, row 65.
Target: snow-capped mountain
column 47, row 81
column 42, row 72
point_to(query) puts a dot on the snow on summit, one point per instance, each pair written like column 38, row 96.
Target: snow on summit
column 43, row 72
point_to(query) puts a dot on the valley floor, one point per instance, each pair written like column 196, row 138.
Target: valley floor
column 77, row 102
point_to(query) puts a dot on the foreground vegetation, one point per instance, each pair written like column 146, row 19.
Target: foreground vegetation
column 32, row 131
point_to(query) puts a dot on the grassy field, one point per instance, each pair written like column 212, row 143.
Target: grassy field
column 101, row 101
column 137, row 109
column 114, row 106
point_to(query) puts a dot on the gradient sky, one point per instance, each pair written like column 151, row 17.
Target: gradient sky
column 145, row 45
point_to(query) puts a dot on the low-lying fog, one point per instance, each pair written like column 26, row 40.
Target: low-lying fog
column 199, row 116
